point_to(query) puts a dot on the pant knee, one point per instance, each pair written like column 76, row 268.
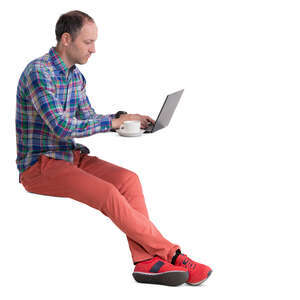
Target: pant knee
column 129, row 181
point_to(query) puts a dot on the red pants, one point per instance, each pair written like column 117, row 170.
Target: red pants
column 113, row 190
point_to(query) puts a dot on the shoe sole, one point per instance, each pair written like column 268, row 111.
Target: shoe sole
column 171, row 278
column 198, row 283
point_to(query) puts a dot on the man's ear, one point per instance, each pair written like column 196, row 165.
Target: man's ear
column 66, row 39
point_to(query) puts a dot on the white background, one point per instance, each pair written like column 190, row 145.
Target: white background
column 222, row 180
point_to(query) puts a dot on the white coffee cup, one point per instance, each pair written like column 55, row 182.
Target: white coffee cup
column 131, row 126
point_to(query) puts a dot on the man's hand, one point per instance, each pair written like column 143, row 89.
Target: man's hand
column 145, row 120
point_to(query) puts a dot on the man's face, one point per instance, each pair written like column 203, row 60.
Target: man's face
column 80, row 50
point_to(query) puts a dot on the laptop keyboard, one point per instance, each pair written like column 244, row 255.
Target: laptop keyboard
column 149, row 128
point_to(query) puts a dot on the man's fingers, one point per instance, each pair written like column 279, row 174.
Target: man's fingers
column 144, row 123
column 144, row 119
column 149, row 119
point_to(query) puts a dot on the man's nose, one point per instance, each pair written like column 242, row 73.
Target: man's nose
column 93, row 49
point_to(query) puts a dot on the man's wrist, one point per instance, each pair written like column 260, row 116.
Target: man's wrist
column 115, row 123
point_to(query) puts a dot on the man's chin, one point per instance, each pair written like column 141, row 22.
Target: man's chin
column 83, row 61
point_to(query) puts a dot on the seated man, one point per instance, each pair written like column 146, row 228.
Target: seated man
column 52, row 109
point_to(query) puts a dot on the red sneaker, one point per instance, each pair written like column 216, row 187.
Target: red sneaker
column 159, row 271
column 198, row 273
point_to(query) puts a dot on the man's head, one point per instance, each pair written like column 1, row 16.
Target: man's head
column 76, row 33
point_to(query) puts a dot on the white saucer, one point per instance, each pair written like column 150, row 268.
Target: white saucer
column 123, row 133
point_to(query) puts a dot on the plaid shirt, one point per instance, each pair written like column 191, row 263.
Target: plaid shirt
column 52, row 109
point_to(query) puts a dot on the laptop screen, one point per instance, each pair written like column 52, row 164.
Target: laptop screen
column 167, row 110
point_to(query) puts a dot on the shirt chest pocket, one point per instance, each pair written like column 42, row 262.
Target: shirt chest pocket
column 70, row 103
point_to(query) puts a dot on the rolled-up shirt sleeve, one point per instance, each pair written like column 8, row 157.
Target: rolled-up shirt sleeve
column 43, row 96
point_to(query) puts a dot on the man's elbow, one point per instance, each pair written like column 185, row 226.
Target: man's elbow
column 61, row 131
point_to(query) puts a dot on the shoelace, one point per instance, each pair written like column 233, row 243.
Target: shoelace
column 187, row 262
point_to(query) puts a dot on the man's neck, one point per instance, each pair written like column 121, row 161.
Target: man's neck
column 64, row 57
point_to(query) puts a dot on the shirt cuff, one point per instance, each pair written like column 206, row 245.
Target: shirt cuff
column 105, row 123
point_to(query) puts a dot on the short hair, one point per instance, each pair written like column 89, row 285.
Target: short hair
column 71, row 22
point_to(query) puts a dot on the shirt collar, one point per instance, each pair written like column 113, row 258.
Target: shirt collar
column 59, row 63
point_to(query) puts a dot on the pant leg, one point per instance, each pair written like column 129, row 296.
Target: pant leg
column 128, row 184
column 62, row 179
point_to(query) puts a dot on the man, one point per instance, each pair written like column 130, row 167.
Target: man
column 52, row 109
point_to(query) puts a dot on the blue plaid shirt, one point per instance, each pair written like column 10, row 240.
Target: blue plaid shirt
column 52, row 109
